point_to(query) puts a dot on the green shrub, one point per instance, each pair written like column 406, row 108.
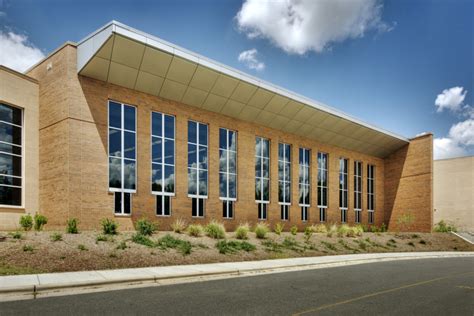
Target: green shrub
column 26, row 222
column 40, row 221
column 329, row 246
column 145, row 227
column 215, row 230
column 294, row 230
column 122, row 245
column 261, row 230
column 101, row 237
column 56, row 236
column 374, row 229
column 179, row 226
column 169, row 241
column 28, row 248
column 362, row 245
column 109, row 226
column 16, row 235
column 343, row 230
column 71, row 226
column 142, row 240
column 271, row 245
column 354, row 231
column 383, row 228
column 332, row 230
column 308, row 233
column 242, row 231
column 82, row 247
column 443, row 227
column 195, row 230
column 232, row 246
column 319, row 228
column 291, row 244
column 278, row 228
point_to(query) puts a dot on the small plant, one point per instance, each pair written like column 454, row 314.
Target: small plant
column 294, row 230
column 82, row 247
column 169, row 241
column 404, row 221
column 271, row 245
column 383, row 228
column 232, row 246
column 278, row 228
column 26, row 222
column 215, row 230
column 179, row 226
column 362, row 245
column 40, row 221
column 16, row 235
column 365, row 228
column 142, row 240
column 71, row 226
column 101, row 237
column 56, row 236
column 261, row 230
column 308, row 233
column 292, row 244
column 343, row 230
column 242, row 231
column 332, row 230
column 109, row 226
column 145, row 227
column 329, row 245
column 122, row 245
column 374, row 229
column 195, row 230
column 443, row 227
column 28, row 248
column 346, row 246
column 320, row 228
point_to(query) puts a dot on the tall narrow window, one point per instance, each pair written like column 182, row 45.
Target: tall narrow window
column 304, row 182
column 284, row 179
column 122, row 155
column 11, row 151
column 357, row 190
column 322, row 185
column 197, row 166
column 370, row 192
column 162, row 161
column 262, row 176
column 343, row 188
column 227, row 171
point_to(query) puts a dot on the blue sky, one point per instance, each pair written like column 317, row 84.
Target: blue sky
column 389, row 75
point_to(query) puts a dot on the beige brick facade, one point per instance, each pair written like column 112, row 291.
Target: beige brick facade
column 73, row 160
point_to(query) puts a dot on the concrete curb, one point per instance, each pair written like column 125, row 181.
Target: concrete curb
column 463, row 238
column 30, row 286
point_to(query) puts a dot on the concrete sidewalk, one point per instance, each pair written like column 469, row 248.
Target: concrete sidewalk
column 34, row 285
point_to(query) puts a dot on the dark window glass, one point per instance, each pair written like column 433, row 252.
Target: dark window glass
column 192, row 181
column 10, row 165
column 115, row 115
column 156, row 126
column 129, row 145
column 10, row 133
column 222, row 138
column 127, row 207
column 169, row 151
column 115, row 143
column 129, row 117
column 169, row 179
column 169, row 126
column 12, row 149
column 129, row 175
column 118, row 202
column 115, row 173
column 10, row 114
column 203, row 183
column 202, row 157
column 192, row 156
column 10, row 196
column 157, row 149
column 157, row 181
column 203, row 134
column 10, row 181
column 192, row 132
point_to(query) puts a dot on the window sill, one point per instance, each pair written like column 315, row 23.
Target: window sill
column 12, row 209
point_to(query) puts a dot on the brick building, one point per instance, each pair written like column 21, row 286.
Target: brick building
column 125, row 125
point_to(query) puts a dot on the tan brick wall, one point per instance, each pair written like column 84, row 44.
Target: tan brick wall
column 409, row 185
column 21, row 91
column 74, row 166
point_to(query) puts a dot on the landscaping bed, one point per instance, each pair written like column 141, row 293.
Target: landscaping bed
column 46, row 251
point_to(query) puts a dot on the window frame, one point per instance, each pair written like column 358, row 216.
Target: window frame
column 262, row 208
column 321, row 188
column 285, row 145
column 197, row 144
column 343, row 184
column 22, row 155
column 370, row 188
column 358, row 186
column 228, row 202
column 261, row 158
column 306, row 153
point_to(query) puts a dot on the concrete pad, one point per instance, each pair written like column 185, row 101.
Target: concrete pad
column 126, row 274
column 10, row 281
column 69, row 278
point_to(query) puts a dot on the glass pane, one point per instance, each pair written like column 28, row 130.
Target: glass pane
column 118, row 202
column 192, row 132
column 222, row 185
column 127, row 203
column 232, row 186
column 232, row 161
column 266, row 148
column 156, row 178
column 325, row 197
column 258, row 189
column 287, row 192
column 129, row 175
column 287, row 152
column 169, row 126
column 301, row 174
column 266, row 168
column 10, row 180
column 192, row 181
column 115, row 143
column 280, row 191
column 115, row 173
column 115, row 115
column 258, row 146
column 203, row 183
column 156, row 128
column 156, row 149
column 169, row 151
column 202, row 157
column 10, row 133
column 280, row 170
column 10, row 149
column 169, row 179
column 222, row 160
column 194, row 207
column 301, row 194
column 320, row 201
column 192, row 156
column 232, row 142
column 222, row 138
column 287, row 172
column 307, row 176
column 281, row 152
column 167, row 205
column 129, row 119
column 10, row 114
column 266, row 190
column 159, row 205
column 129, row 146
column 10, row 165
column 10, row 196
column 203, row 134
column 306, row 195
column 258, row 167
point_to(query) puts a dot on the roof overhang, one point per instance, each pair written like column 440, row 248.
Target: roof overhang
column 121, row 55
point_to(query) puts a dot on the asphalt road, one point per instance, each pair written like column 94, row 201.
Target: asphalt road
column 413, row 287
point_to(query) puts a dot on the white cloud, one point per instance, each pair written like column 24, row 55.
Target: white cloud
column 447, row 148
column 450, row 99
column 463, row 132
column 458, row 142
column 299, row 26
column 17, row 53
column 249, row 59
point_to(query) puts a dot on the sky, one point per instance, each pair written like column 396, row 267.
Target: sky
column 403, row 65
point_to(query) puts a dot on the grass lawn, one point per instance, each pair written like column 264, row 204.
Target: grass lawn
column 47, row 251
